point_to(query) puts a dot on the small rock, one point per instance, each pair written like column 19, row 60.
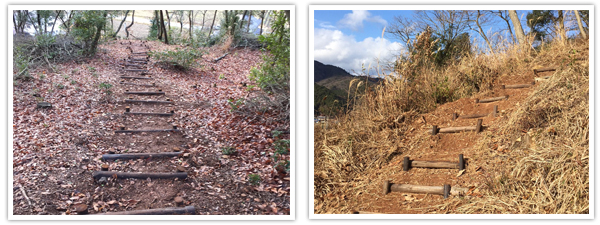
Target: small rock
column 102, row 180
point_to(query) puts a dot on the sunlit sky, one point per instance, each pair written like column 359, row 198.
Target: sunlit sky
column 351, row 39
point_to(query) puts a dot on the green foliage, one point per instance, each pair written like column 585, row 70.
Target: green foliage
column 42, row 76
column 254, row 179
column 106, row 88
column 235, row 104
column 183, row 59
column 540, row 21
column 329, row 102
column 221, row 76
column 60, row 86
column 276, row 133
column 87, row 28
column 282, row 147
column 441, row 91
column 274, row 73
column 228, row 150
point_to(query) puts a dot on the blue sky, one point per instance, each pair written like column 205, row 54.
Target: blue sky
column 352, row 39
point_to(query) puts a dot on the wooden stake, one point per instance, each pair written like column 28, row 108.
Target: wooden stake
column 434, row 130
column 163, row 211
column 105, row 166
column 495, row 113
column 127, row 109
column 461, row 162
column 479, row 125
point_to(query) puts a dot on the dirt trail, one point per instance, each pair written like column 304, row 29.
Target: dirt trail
column 54, row 169
column 421, row 145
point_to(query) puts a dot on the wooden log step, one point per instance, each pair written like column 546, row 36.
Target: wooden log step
column 435, row 130
column 445, row 190
column 148, row 101
column 136, row 62
column 516, row 86
column 163, row 211
column 149, row 114
column 491, row 99
column 141, row 155
column 535, row 71
column 407, row 164
column 144, row 93
column 494, row 113
column 129, row 77
column 366, row 212
column 43, row 105
column 139, row 53
column 122, row 130
column 144, row 85
column 125, row 175
column 136, row 70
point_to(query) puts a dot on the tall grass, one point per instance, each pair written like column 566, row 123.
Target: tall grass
column 555, row 171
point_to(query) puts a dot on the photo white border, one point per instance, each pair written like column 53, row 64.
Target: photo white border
column 293, row 133
column 311, row 25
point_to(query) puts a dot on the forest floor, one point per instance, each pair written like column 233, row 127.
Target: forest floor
column 56, row 150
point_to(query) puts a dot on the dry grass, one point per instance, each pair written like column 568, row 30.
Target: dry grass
column 551, row 165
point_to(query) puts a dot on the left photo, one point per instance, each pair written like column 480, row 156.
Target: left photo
column 151, row 110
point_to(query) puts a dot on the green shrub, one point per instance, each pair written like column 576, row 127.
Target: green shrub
column 254, row 179
column 106, row 88
column 228, row 150
column 235, row 104
column 183, row 59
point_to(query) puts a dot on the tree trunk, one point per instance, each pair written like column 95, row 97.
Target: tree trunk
column 561, row 26
column 168, row 19
column 262, row 20
column 242, row 21
column 517, row 25
column 32, row 22
column 120, row 25
column 162, row 22
column 132, row 19
column 39, row 20
column 159, row 33
column 203, row 16
column 483, row 33
column 249, row 21
column 213, row 23
column 583, row 34
column 99, row 27
column 191, row 19
column 57, row 15
column 181, row 23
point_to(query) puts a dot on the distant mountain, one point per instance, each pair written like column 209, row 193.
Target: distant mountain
column 331, row 88
column 323, row 71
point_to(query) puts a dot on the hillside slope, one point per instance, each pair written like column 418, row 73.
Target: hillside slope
column 532, row 158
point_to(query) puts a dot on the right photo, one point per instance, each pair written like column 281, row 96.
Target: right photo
column 450, row 110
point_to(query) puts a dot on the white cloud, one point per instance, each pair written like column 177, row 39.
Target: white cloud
column 326, row 25
column 335, row 48
column 355, row 19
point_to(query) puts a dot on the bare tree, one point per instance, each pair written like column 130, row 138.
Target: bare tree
column 480, row 18
column 203, row 17
column 517, row 25
column 191, row 19
column 583, row 34
column 249, row 21
column 561, row 26
column 242, row 21
column 262, row 20
column 121, row 24
column 168, row 19
column 162, row 23
column 213, row 24
column 504, row 15
column 130, row 25
column 55, row 18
